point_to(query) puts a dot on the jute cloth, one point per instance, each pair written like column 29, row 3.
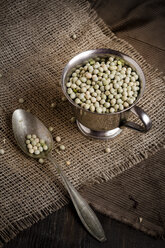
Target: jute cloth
column 36, row 43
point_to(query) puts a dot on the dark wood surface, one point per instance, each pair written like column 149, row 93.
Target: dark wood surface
column 63, row 229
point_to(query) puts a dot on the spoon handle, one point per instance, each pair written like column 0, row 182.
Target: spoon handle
column 86, row 214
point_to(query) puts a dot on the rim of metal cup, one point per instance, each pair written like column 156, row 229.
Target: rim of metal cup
column 102, row 52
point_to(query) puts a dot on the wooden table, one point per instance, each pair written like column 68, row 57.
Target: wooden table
column 63, row 229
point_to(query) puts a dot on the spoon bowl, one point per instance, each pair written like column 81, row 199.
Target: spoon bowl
column 24, row 123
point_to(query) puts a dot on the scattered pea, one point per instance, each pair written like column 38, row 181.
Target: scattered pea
column 53, row 105
column 62, row 147
column 68, row 163
column 41, row 160
column 63, row 99
column 51, row 129
column 107, row 150
column 73, row 119
column 58, row 138
column 74, row 36
column 140, row 219
column 21, row 100
column 2, row 151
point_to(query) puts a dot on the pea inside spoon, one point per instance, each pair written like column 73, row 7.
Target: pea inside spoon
column 24, row 123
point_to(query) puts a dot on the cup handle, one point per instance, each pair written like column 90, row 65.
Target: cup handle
column 147, row 123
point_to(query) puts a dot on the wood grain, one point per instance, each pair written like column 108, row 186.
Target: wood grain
column 63, row 229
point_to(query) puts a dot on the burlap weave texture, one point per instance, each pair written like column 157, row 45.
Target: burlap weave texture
column 36, row 43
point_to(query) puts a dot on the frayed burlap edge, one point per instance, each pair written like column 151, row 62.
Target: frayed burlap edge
column 15, row 228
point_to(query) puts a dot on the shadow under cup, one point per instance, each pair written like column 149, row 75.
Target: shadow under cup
column 108, row 125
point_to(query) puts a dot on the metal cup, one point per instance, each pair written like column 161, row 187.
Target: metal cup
column 105, row 126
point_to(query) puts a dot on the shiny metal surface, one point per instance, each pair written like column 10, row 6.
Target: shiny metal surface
column 102, row 135
column 143, row 117
column 24, row 123
column 104, row 122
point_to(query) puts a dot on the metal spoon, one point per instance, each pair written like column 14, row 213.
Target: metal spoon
column 24, row 123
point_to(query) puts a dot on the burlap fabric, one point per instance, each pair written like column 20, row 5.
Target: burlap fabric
column 36, row 43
